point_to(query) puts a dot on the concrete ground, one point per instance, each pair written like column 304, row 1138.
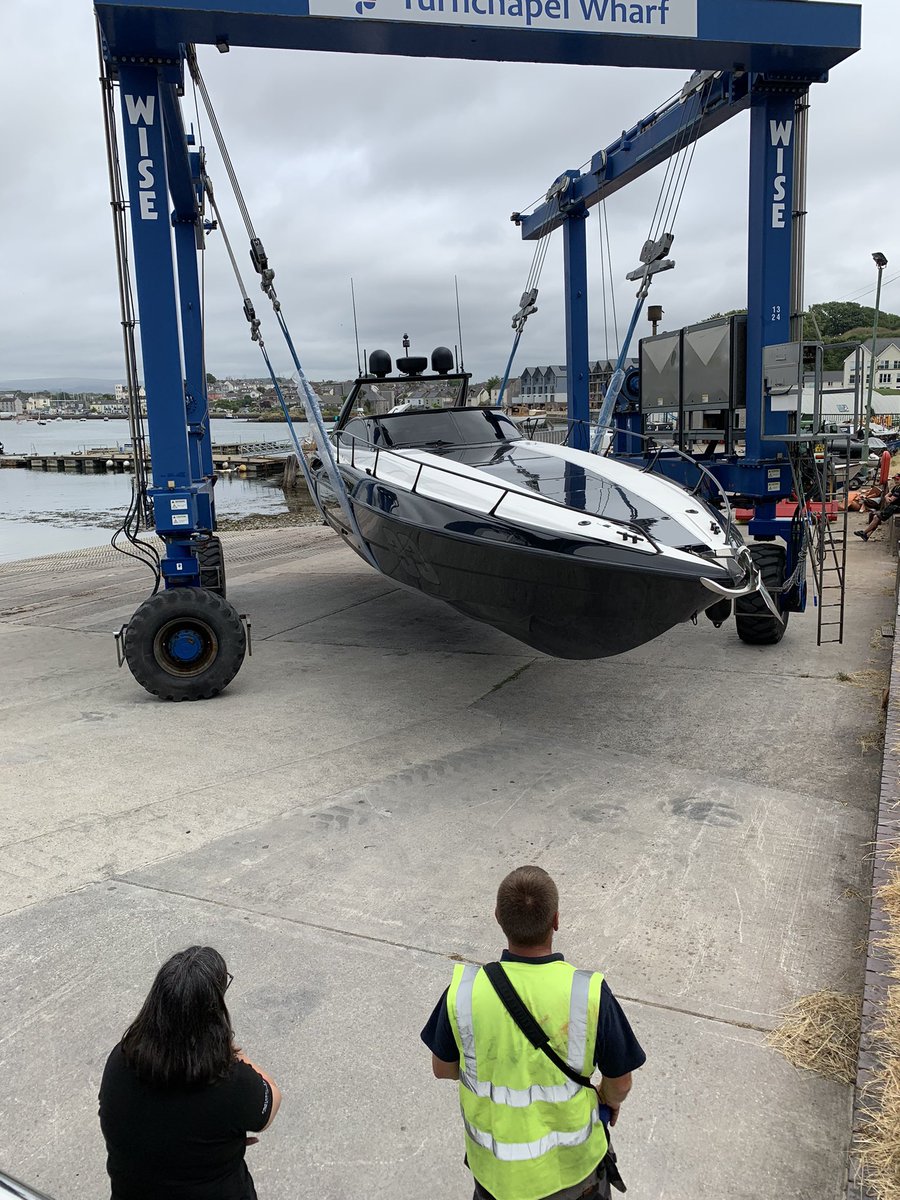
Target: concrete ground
column 338, row 821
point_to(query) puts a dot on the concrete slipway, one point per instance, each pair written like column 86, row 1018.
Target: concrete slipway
column 337, row 824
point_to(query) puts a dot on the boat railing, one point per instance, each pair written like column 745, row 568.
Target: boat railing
column 358, row 447
column 14, row 1189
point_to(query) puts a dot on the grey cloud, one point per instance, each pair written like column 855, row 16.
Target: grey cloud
column 403, row 173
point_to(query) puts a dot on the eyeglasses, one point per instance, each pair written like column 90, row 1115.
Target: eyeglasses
column 229, row 980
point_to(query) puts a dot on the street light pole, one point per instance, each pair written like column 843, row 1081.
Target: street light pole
column 880, row 262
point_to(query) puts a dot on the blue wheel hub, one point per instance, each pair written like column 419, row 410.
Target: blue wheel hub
column 185, row 646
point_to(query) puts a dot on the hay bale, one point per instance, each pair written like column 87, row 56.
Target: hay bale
column 821, row 1033
column 877, row 1140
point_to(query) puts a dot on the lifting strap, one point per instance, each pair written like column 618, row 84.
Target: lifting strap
column 267, row 277
column 653, row 256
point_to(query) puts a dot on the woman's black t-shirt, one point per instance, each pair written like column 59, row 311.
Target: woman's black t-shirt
column 180, row 1143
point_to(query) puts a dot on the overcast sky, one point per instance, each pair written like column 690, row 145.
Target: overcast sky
column 323, row 145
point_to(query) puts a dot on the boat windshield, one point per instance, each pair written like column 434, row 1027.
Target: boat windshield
column 377, row 398
column 432, row 429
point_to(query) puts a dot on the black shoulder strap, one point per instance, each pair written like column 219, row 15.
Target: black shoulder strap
column 514, row 1005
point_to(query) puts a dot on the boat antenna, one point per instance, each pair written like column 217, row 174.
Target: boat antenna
column 462, row 365
column 359, row 369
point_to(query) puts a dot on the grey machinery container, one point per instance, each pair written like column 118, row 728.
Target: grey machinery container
column 700, row 374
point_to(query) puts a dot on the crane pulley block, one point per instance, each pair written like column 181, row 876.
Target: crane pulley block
column 667, row 264
column 253, row 319
column 656, row 249
column 258, row 256
column 527, row 306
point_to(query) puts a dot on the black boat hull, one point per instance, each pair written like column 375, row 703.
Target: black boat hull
column 569, row 600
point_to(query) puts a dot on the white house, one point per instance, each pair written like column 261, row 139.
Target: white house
column 887, row 364
column 122, row 394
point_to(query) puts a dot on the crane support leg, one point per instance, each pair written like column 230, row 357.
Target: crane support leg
column 187, row 642
column 769, row 255
column 578, row 374
column 181, row 500
column 770, row 289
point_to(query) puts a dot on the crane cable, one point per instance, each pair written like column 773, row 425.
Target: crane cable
column 257, row 337
column 528, row 302
column 668, row 204
column 267, row 276
column 255, row 333
column 606, row 264
column 139, row 513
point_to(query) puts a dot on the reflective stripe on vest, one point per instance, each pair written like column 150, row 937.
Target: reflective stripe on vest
column 578, row 1021
column 525, row 1151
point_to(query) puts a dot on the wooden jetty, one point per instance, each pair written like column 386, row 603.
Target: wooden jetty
column 263, row 461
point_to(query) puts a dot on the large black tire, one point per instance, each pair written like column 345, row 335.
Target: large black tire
column 212, row 565
column 185, row 644
column 755, row 623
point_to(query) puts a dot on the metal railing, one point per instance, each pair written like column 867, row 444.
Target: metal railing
column 10, row 1187
column 630, row 529
column 283, row 447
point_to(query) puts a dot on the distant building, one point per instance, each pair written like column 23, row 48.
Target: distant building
column 122, row 394
column 543, row 387
column 887, row 364
column 10, row 406
column 547, row 386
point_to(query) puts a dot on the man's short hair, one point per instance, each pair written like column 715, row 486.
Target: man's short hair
column 527, row 902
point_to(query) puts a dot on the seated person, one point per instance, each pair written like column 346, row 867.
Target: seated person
column 890, row 509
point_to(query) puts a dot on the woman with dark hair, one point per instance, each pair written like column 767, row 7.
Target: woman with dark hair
column 178, row 1097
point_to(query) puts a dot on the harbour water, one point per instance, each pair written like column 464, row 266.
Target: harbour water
column 46, row 513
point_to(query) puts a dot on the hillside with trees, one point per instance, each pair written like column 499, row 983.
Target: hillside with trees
column 838, row 321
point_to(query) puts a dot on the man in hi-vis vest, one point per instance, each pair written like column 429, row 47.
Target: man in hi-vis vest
column 535, row 1126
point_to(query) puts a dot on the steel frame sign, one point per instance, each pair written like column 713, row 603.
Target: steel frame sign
column 666, row 18
column 732, row 35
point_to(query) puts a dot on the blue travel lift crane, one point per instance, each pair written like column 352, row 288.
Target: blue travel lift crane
column 187, row 641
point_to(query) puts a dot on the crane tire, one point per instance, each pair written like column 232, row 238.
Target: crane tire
column 212, row 565
column 755, row 623
column 185, row 644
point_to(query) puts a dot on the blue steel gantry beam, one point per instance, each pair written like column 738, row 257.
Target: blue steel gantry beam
column 646, row 145
column 731, row 35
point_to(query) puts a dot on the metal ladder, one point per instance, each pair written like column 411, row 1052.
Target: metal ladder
column 790, row 371
column 827, row 546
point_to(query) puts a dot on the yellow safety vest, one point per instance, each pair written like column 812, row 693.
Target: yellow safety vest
column 530, row 1130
